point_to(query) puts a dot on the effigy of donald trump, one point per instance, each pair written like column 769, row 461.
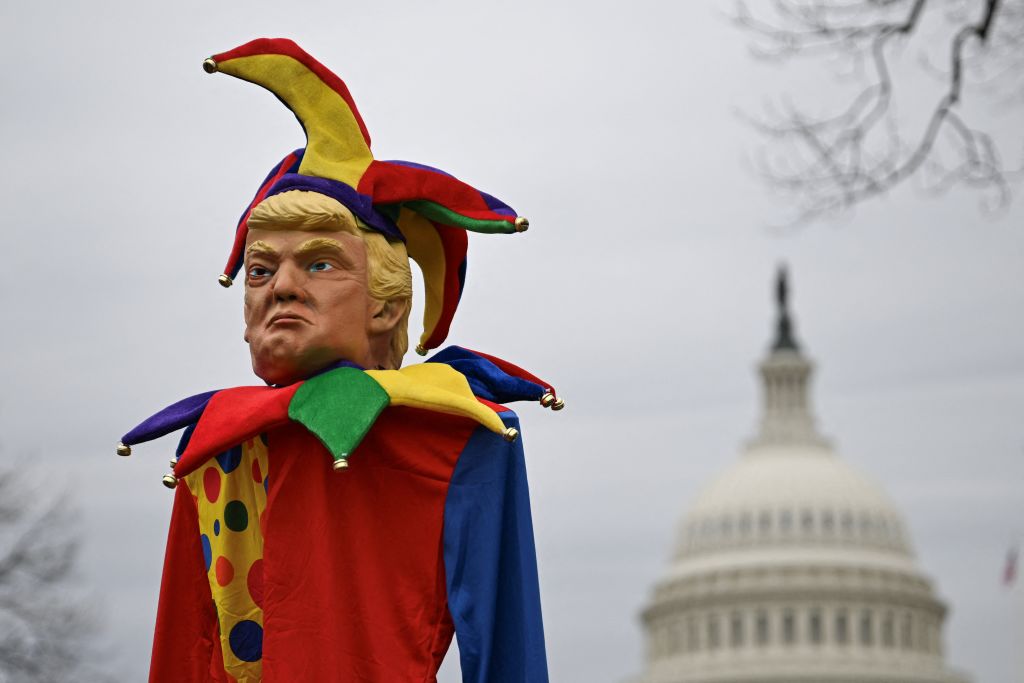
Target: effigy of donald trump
column 347, row 518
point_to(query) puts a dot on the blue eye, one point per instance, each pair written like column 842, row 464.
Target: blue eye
column 258, row 272
column 320, row 267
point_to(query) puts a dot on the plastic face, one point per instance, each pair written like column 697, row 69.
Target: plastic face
column 307, row 302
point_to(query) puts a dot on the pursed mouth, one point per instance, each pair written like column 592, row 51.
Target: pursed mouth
column 286, row 318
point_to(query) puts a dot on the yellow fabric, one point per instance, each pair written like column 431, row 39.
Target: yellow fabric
column 232, row 548
column 425, row 248
column 335, row 147
column 438, row 387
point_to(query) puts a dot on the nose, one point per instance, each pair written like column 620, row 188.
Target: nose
column 289, row 283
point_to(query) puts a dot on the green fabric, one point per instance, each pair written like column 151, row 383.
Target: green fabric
column 439, row 214
column 339, row 407
column 236, row 517
column 389, row 210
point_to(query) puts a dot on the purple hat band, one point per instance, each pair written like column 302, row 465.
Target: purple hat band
column 359, row 204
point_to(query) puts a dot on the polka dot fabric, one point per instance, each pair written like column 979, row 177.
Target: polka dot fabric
column 230, row 495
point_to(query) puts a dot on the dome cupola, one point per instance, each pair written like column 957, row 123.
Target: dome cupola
column 792, row 566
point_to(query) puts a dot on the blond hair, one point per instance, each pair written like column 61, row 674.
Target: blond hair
column 390, row 277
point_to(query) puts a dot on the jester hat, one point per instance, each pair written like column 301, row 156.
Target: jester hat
column 426, row 208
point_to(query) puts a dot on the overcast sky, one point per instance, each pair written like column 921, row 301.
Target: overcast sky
column 642, row 290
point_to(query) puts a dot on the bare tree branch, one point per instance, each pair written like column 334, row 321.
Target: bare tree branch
column 46, row 626
column 828, row 164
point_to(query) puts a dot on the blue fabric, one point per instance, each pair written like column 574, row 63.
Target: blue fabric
column 186, row 436
column 170, row 419
column 237, row 265
column 497, row 206
column 359, row 204
column 486, row 379
column 293, row 168
column 491, row 563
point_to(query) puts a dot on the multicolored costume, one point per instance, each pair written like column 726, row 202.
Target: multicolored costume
column 281, row 568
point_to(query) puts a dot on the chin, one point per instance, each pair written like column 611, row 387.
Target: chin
column 276, row 375
column 288, row 368
column 280, row 367
column 284, row 359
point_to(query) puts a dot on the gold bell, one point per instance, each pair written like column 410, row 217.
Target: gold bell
column 340, row 464
column 522, row 224
column 225, row 280
column 173, row 463
column 421, row 350
column 547, row 399
column 209, row 66
column 169, row 480
column 558, row 405
column 510, row 434
column 123, row 450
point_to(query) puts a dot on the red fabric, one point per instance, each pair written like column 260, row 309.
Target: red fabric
column 283, row 46
column 231, row 417
column 496, row 407
column 186, row 646
column 243, row 225
column 354, row 581
column 353, row 584
column 390, row 183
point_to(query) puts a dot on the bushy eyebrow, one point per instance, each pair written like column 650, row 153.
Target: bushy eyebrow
column 318, row 243
column 261, row 247
column 322, row 244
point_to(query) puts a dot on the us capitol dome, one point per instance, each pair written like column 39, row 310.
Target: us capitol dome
column 793, row 567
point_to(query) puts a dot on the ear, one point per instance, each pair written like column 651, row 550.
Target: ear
column 384, row 315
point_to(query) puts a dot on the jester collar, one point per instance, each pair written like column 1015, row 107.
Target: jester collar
column 341, row 405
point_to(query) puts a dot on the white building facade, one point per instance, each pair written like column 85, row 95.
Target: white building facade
column 792, row 567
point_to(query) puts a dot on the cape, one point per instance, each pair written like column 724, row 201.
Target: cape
column 283, row 565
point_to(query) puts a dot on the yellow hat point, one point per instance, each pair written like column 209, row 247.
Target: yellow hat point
column 123, row 450
column 341, row 464
column 338, row 153
column 170, row 481
column 558, row 405
column 421, row 349
column 225, row 280
column 547, row 399
column 510, row 434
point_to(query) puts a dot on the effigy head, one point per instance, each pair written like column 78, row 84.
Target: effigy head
column 320, row 287
column 399, row 210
